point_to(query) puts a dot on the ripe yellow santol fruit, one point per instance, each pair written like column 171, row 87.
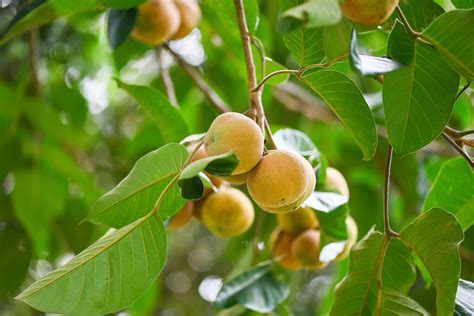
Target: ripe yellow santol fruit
column 306, row 248
column 368, row 12
column 235, row 131
column 238, row 179
column 335, row 181
column 297, row 221
column 227, row 213
column 182, row 217
column 281, row 181
column 351, row 239
column 280, row 248
column 190, row 14
column 157, row 21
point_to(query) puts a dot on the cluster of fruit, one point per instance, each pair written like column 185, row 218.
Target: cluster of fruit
column 278, row 181
column 162, row 20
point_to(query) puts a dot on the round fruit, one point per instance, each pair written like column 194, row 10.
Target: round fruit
column 235, row 131
column 157, row 21
column 297, row 221
column 336, row 181
column 227, row 213
column 280, row 247
column 368, row 12
column 305, row 249
column 351, row 239
column 190, row 16
column 182, row 217
column 237, row 179
column 281, row 181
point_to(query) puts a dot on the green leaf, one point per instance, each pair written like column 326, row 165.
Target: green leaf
column 122, row 4
column 311, row 14
column 422, row 14
column 168, row 118
column 271, row 66
column 453, row 36
column 357, row 293
column 369, row 65
column 434, row 238
column 393, row 300
column 453, row 190
column 8, row 113
column 221, row 165
column 345, row 99
column 119, row 25
column 296, row 141
column 38, row 200
column 136, row 195
column 107, row 276
column 418, row 99
column 464, row 298
column 256, row 289
column 463, row 4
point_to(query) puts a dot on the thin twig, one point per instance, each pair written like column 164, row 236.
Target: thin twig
column 271, row 75
column 386, row 194
column 463, row 89
column 215, row 100
column 165, row 76
column 270, row 135
column 261, row 51
column 406, row 24
column 458, row 149
column 255, row 97
column 33, row 56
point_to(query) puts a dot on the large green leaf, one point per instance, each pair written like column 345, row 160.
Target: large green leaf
column 257, row 289
column 120, row 24
column 464, row 298
column 357, row 293
column 453, row 36
column 434, row 238
column 418, row 99
column 311, row 14
column 136, row 195
column 38, row 199
column 345, row 99
column 463, row 4
column 453, row 190
column 395, row 303
column 296, row 141
column 422, row 14
column 107, row 276
column 168, row 118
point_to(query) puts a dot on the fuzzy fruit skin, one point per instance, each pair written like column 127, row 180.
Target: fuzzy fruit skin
column 182, row 217
column 351, row 239
column 336, row 181
column 227, row 213
column 281, row 181
column 235, row 131
column 368, row 12
column 280, row 247
column 297, row 221
column 157, row 21
column 238, row 179
column 190, row 16
column 305, row 249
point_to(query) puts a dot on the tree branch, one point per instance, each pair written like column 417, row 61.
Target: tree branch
column 406, row 24
column 458, row 149
column 219, row 105
column 256, row 107
column 165, row 76
column 33, row 56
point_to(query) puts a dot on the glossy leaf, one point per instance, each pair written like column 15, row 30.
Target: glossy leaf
column 106, row 277
column 296, row 141
column 119, row 25
column 256, row 289
column 346, row 101
column 453, row 191
column 357, row 293
column 310, row 14
column 453, row 36
column 464, row 298
column 36, row 207
column 438, row 252
column 136, row 195
column 191, row 185
column 369, row 65
column 422, row 14
column 396, row 303
column 463, row 4
column 418, row 99
column 168, row 119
